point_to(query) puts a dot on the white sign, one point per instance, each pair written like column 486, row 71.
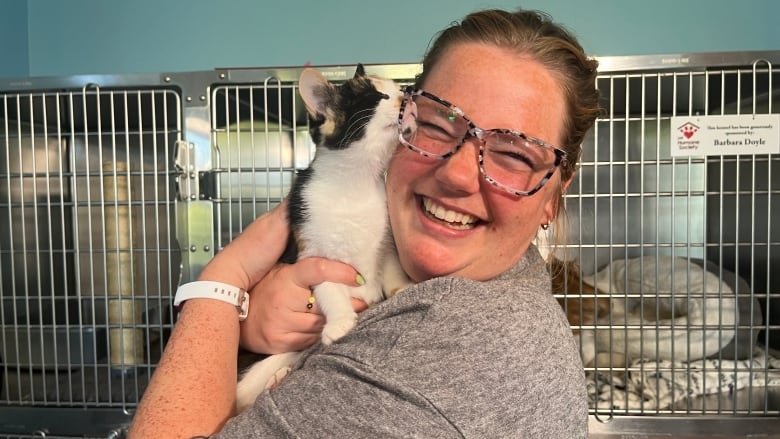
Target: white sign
column 725, row 135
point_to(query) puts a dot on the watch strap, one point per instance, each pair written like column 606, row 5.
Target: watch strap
column 204, row 289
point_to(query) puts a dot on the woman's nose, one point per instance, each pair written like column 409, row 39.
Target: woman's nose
column 460, row 171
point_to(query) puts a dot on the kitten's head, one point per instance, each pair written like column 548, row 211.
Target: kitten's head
column 364, row 107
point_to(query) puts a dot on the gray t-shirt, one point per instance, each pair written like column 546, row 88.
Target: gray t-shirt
column 445, row 358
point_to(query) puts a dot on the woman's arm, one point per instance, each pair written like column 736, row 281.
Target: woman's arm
column 192, row 392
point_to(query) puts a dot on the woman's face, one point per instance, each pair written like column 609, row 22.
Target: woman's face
column 496, row 89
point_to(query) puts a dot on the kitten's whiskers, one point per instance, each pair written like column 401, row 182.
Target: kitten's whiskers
column 359, row 120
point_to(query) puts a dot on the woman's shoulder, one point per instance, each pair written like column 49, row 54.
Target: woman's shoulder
column 514, row 309
column 521, row 293
column 505, row 341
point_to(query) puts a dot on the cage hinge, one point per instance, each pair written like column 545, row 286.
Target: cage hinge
column 187, row 181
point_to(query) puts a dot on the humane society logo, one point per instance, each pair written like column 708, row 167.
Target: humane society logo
column 687, row 130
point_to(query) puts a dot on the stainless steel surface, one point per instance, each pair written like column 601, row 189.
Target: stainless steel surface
column 88, row 252
column 685, row 427
column 685, row 61
column 113, row 180
column 632, row 199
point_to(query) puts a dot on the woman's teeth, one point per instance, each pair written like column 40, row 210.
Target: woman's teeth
column 453, row 219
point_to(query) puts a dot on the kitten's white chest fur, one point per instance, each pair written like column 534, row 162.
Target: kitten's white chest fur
column 346, row 207
column 355, row 233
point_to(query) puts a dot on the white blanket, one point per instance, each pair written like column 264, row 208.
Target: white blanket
column 661, row 384
column 662, row 308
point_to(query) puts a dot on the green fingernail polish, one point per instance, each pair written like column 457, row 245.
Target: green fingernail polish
column 359, row 279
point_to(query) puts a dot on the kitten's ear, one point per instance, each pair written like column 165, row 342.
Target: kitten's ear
column 360, row 71
column 316, row 92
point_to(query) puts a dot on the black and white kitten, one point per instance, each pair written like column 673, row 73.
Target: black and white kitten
column 338, row 207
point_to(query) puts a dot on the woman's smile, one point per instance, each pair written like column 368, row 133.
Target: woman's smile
column 447, row 217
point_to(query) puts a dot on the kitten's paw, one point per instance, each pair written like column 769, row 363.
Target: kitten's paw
column 337, row 328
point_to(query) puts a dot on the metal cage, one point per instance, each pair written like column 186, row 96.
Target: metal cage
column 688, row 247
column 115, row 189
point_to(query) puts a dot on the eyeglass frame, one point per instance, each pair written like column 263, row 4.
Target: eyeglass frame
column 478, row 133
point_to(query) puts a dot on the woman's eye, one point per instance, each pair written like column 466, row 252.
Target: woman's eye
column 516, row 156
column 434, row 130
column 513, row 157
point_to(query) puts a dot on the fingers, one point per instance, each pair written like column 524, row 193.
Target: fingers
column 359, row 305
column 279, row 319
column 313, row 271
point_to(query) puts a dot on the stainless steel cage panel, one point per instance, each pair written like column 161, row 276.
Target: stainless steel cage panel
column 88, row 254
column 260, row 140
column 633, row 201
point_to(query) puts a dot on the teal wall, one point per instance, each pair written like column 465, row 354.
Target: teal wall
column 13, row 38
column 56, row 37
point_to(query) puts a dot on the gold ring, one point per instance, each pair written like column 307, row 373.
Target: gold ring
column 312, row 299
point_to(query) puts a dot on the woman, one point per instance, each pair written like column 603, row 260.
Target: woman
column 478, row 347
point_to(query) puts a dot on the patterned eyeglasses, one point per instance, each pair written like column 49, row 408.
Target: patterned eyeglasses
column 508, row 159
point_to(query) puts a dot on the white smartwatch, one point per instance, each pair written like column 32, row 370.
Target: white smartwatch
column 204, row 289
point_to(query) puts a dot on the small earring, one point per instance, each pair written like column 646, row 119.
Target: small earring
column 545, row 226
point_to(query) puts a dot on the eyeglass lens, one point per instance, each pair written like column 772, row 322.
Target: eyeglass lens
column 509, row 158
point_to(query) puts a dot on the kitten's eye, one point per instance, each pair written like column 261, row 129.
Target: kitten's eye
column 384, row 96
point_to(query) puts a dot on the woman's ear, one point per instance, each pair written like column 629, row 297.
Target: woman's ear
column 551, row 207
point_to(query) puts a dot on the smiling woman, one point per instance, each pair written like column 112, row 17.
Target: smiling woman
column 507, row 223
column 466, row 197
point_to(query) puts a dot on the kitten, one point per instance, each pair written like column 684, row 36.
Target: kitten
column 337, row 206
column 582, row 305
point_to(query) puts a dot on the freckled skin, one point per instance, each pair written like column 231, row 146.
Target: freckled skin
column 515, row 93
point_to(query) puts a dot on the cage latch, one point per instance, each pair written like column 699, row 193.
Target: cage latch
column 187, row 176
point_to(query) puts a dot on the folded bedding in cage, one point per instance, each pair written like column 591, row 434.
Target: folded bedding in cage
column 661, row 384
column 677, row 328
column 670, row 308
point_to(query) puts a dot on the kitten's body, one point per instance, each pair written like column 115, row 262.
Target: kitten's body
column 338, row 208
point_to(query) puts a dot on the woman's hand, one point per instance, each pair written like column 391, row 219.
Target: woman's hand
column 279, row 320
